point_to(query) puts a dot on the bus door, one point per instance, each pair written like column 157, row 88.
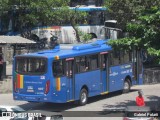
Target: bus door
column 137, row 66
column 70, row 79
column 104, row 72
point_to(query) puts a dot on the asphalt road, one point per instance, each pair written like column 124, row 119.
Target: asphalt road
column 98, row 104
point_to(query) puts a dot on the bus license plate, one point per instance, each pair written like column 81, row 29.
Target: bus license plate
column 30, row 90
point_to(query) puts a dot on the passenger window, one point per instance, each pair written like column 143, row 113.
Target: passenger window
column 58, row 68
column 126, row 56
column 103, row 61
column 69, row 68
column 81, row 64
column 94, row 63
column 115, row 58
column 86, row 63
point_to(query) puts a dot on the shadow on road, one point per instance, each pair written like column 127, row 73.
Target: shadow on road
column 54, row 108
column 66, row 106
column 153, row 103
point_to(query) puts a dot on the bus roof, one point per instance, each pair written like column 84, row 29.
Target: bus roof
column 72, row 51
column 89, row 8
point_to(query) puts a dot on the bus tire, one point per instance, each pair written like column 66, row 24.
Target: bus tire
column 126, row 86
column 83, row 97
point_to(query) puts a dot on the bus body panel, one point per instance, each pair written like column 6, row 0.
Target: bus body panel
column 118, row 75
column 91, row 80
column 37, row 94
column 70, row 89
column 104, row 83
column 59, row 96
column 34, row 85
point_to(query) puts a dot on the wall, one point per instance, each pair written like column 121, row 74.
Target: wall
column 6, row 86
column 151, row 75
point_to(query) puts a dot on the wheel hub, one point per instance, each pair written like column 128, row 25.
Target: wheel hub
column 126, row 86
column 84, row 97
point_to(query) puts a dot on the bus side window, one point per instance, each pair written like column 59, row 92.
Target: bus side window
column 68, row 69
column 81, row 64
column 94, row 63
column 58, row 68
column 126, row 56
column 103, row 61
column 111, row 58
column 115, row 58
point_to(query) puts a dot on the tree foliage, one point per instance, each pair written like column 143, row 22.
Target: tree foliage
column 143, row 27
column 125, row 11
column 85, row 37
column 44, row 12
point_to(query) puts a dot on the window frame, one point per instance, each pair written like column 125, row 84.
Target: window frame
column 31, row 57
column 98, row 61
column 87, row 62
column 111, row 59
column 63, row 68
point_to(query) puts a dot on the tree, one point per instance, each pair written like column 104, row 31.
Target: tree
column 143, row 28
column 46, row 12
column 125, row 11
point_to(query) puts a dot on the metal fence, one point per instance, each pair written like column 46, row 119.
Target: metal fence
column 151, row 75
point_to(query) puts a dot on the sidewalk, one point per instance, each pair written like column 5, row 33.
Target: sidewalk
column 6, row 84
column 9, row 70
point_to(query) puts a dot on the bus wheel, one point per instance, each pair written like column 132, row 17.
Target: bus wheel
column 126, row 86
column 83, row 97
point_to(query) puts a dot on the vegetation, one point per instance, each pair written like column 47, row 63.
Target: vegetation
column 85, row 37
column 141, row 19
column 44, row 12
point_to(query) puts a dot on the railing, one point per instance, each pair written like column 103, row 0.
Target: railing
column 151, row 75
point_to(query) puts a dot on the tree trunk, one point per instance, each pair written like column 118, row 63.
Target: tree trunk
column 76, row 31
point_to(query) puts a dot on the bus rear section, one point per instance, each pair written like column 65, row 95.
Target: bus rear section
column 30, row 79
column 40, row 79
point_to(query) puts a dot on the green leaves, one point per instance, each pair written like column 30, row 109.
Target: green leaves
column 153, row 51
column 85, row 37
column 125, row 43
column 143, row 27
column 45, row 12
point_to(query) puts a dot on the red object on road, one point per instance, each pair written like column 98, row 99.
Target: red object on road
column 140, row 101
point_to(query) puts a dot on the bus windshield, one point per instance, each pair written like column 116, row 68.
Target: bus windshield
column 31, row 65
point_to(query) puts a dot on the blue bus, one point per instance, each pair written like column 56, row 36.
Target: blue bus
column 74, row 73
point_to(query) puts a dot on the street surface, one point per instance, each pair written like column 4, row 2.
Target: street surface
column 98, row 103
